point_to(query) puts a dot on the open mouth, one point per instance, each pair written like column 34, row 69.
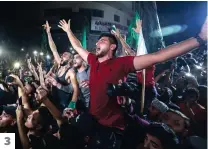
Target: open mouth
column 97, row 49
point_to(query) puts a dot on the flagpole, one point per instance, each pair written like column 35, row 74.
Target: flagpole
column 143, row 91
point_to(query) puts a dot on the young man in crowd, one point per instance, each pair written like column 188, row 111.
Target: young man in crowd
column 159, row 136
column 83, row 75
column 38, row 123
column 65, row 83
column 156, row 109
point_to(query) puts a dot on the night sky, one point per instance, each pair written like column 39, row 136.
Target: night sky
column 21, row 23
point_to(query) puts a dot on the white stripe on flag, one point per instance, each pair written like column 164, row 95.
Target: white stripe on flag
column 141, row 49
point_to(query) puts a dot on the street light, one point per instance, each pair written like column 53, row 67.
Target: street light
column 41, row 53
column 22, row 49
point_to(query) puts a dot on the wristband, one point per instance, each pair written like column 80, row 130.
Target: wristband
column 72, row 105
column 200, row 40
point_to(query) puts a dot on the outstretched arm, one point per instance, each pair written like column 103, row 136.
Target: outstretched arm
column 141, row 62
column 74, row 41
column 51, row 43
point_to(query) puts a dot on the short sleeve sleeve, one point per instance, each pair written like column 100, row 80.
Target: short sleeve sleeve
column 128, row 64
column 91, row 58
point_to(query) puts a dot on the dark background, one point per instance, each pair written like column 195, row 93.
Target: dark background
column 20, row 22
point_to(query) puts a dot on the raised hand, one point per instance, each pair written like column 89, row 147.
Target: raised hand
column 85, row 84
column 39, row 67
column 203, row 33
column 138, row 26
column 29, row 60
column 116, row 33
column 47, row 27
column 17, row 80
column 64, row 25
column 41, row 93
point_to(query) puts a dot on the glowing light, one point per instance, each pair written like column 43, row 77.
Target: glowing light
column 198, row 67
column 41, row 53
column 22, row 49
column 188, row 74
column 48, row 56
column 17, row 65
column 169, row 30
column 35, row 52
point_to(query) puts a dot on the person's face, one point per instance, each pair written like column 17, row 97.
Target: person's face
column 175, row 121
column 33, row 120
column 153, row 113
column 6, row 120
column 66, row 56
column 152, row 142
column 77, row 61
column 103, row 46
column 28, row 89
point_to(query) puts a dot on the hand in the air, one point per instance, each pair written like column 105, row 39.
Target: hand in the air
column 47, row 27
column 64, row 25
column 203, row 33
column 138, row 26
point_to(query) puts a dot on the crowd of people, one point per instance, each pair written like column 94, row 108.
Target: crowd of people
column 94, row 100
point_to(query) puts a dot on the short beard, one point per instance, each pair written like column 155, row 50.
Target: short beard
column 64, row 63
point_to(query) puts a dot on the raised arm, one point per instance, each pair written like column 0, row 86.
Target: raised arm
column 141, row 62
column 21, row 128
column 75, row 87
column 42, row 97
column 42, row 82
column 74, row 41
column 51, row 43
column 125, row 46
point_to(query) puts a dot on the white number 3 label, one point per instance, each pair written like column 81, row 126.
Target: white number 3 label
column 7, row 141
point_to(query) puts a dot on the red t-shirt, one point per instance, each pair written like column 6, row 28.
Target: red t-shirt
column 106, row 109
column 149, row 76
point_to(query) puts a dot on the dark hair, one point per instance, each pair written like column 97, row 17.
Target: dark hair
column 45, row 118
column 164, row 133
column 112, row 40
column 190, row 91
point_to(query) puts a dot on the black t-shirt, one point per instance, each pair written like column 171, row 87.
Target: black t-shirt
column 71, row 137
column 48, row 141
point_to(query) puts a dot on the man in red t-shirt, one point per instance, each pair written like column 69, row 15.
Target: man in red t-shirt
column 105, row 68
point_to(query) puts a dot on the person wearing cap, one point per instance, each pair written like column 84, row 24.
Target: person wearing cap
column 156, row 109
column 177, row 121
column 7, row 119
column 8, row 123
column 159, row 136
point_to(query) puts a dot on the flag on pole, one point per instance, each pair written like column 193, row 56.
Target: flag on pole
column 84, row 33
column 132, row 37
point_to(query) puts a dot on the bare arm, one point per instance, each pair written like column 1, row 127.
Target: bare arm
column 42, row 82
column 74, row 83
column 141, row 62
column 51, row 43
column 74, row 41
column 21, row 129
column 54, row 111
column 42, row 96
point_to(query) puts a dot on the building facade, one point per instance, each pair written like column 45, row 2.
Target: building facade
column 98, row 17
